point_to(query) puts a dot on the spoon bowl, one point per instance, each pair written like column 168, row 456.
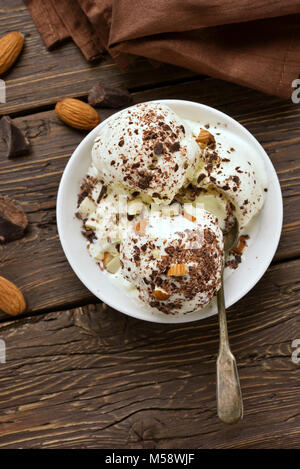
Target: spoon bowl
column 231, row 237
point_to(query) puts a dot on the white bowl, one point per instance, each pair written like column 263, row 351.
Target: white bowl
column 264, row 232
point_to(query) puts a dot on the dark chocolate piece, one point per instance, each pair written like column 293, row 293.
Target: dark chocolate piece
column 107, row 96
column 13, row 221
column 16, row 142
column 158, row 148
column 175, row 147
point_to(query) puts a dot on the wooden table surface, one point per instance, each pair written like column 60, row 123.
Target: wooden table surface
column 81, row 375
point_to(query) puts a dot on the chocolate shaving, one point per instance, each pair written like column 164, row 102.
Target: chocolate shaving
column 102, row 194
column 158, row 148
column 89, row 235
column 144, row 181
column 200, row 177
column 107, row 96
column 16, row 142
column 175, row 147
column 13, row 221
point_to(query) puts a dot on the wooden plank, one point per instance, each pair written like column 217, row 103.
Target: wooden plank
column 41, row 77
column 37, row 264
column 94, row 378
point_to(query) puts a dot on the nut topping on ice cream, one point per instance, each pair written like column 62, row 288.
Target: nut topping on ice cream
column 157, row 198
column 188, row 265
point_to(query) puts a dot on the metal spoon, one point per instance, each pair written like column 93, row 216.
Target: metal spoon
column 229, row 396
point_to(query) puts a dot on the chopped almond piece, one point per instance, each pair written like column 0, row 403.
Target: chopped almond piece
column 113, row 265
column 86, row 207
column 242, row 243
column 107, row 258
column 140, row 227
column 205, row 138
column 160, row 294
column 134, row 206
column 188, row 216
column 177, row 270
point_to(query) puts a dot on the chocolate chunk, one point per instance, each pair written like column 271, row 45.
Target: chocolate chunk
column 102, row 194
column 158, row 148
column 121, row 142
column 145, row 180
column 149, row 135
column 107, row 96
column 89, row 235
column 200, row 177
column 175, row 147
column 16, row 142
column 86, row 188
column 13, row 221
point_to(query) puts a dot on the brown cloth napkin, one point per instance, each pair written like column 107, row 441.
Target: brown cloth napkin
column 253, row 43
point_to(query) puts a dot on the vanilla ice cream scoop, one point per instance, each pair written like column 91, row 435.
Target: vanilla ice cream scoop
column 232, row 174
column 175, row 263
column 147, row 148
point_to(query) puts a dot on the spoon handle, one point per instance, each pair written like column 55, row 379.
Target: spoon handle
column 229, row 396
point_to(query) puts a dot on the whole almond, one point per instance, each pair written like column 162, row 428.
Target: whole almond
column 10, row 47
column 77, row 114
column 11, row 298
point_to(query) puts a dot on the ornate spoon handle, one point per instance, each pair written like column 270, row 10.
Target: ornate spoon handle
column 229, row 396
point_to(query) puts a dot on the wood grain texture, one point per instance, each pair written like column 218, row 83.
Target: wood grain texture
column 37, row 264
column 90, row 377
column 40, row 77
column 94, row 378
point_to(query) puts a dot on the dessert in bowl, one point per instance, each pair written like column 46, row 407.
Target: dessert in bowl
column 153, row 188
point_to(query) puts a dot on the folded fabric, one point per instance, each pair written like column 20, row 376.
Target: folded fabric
column 253, row 43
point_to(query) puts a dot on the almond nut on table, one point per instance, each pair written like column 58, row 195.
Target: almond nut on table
column 77, row 114
column 10, row 47
column 12, row 301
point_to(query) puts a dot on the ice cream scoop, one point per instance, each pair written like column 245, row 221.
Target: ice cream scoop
column 147, row 148
column 230, row 172
column 175, row 263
